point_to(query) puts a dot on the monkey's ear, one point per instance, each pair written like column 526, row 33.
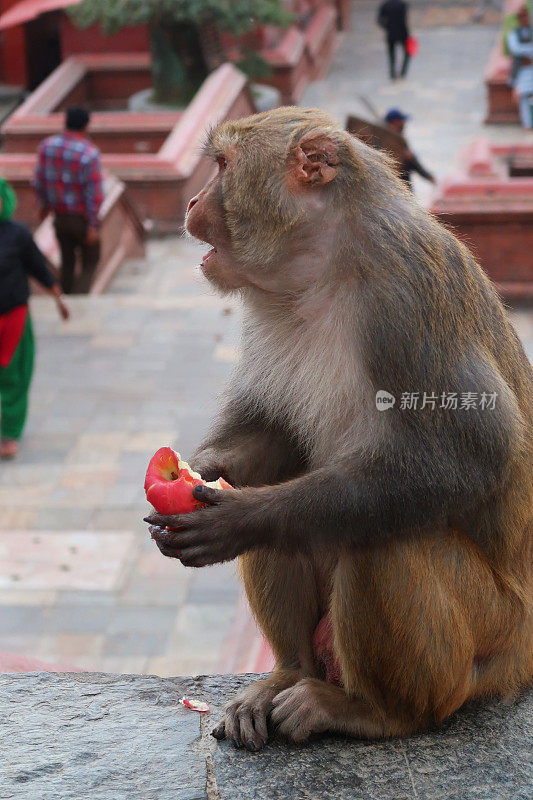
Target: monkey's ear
column 314, row 160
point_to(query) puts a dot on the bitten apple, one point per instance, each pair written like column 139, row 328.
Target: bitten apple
column 169, row 483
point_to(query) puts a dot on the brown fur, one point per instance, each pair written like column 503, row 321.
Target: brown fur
column 413, row 530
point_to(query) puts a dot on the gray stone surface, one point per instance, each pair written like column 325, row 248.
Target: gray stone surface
column 91, row 736
column 102, row 737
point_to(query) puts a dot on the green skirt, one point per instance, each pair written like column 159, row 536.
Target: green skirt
column 15, row 382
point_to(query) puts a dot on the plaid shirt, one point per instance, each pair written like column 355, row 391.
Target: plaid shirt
column 68, row 176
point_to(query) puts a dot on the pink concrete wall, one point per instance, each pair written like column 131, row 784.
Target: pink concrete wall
column 492, row 213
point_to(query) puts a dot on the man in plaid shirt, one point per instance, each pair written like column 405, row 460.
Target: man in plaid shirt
column 68, row 181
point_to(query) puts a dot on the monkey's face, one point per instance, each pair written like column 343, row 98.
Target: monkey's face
column 268, row 204
column 205, row 221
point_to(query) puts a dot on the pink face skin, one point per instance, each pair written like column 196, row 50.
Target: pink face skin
column 205, row 221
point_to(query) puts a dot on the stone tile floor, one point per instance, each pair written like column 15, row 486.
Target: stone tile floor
column 80, row 581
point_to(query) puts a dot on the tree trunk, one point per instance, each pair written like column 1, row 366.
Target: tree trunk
column 211, row 44
column 178, row 64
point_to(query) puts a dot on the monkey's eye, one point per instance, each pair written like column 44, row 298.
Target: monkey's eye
column 222, row 163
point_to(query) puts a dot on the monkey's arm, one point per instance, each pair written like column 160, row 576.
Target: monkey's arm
column 420, row 480
column 246, row 451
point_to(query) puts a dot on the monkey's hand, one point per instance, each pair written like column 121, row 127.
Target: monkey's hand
column 220, row 532
column 212, row 464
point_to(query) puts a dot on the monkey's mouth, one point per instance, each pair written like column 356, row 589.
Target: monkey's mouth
column 209, row 255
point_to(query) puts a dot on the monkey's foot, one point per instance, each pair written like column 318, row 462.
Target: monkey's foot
column 299, row 711
column 314, row 706
column 245, row 722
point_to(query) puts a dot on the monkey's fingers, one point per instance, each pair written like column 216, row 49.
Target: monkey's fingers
column 248, row 735
column 260, row 724
column 296, row 713
column 176, row 539
column 245, row 725
column 202, row 557
column 173, row 521
column 287, row 720
column 282, row 696
column 206, row 494
column 232, row 726
column 284, row 707
column 166, row 549
column 169, row 552
column 295, row 729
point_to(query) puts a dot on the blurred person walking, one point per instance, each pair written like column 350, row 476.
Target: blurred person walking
column 19, row 258
column 392, row 17
column 519, row 43
column 395, row 121
column 68, row 181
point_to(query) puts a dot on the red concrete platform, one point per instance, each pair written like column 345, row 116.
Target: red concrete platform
column 302, row 52
column 26, row 23
column 158, row 156
column 488, row 203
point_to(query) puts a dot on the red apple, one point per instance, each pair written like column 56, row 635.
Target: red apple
column 169, row 483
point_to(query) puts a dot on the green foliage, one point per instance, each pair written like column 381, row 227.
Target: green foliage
column 254, row 65
column 237, row 16
column 178, row 67
column 178, row 52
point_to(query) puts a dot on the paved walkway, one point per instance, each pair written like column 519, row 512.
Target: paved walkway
column 444, row 90
column 80, row 581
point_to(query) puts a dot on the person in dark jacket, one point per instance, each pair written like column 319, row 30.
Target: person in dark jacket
column 392, row 17
column 19, row 258
column 395, row 121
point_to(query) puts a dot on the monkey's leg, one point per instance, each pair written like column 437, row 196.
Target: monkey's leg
column 404, row 648
column 284, row 598
column 314, row 706
column 421, row 626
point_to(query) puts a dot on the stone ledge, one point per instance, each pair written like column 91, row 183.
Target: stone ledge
column 69, row 736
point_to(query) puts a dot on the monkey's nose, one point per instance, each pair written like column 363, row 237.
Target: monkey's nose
column 192, row 203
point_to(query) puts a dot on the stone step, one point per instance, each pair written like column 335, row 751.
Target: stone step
column 111, row 737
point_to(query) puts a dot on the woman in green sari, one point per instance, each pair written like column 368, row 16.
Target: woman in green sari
column 19, row 258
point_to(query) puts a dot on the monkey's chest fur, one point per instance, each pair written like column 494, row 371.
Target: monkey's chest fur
column 308, row 375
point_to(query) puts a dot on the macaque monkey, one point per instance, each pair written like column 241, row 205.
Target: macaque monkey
column 386, row 551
